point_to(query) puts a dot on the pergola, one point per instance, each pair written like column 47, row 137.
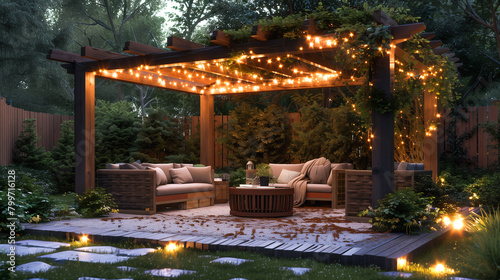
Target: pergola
column 206, row 71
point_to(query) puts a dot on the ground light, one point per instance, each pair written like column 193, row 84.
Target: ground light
column 440, row 268
column 84, row 239
column 171, row 247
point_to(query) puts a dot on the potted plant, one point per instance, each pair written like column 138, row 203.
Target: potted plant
column 264, row 173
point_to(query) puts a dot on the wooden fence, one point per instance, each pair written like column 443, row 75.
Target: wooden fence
column 481, row 152
column 48, row 128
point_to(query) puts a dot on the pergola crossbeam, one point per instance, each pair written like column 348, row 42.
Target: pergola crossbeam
column 220, row 38
column 140, row 49
column 179, row 44
column 98, row 54
column 259, row 33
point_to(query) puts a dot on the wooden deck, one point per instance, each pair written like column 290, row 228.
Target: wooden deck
column 384, row 255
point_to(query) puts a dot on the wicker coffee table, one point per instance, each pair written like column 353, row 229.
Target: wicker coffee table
column 261, row 202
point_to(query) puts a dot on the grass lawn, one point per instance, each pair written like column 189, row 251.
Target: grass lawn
column 262, row 267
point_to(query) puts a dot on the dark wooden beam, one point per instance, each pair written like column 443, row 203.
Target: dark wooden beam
column 405, row 32
column 436, row 43
column 428, row 35
column 400, row 53
column 140, row 49
column 220, row 38
column 84, row 130
column 259, row 33
column 207, row 126
column 458, row 65
column 381, row 17
column 63, row 56
column 439, row 51
column 450, row 55
column 430, row 148
column 179, row 44
column 454, row 59
column 98, row 54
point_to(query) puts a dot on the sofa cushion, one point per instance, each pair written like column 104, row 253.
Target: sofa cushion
column 319, row 174
column 128, row 166
column 161, row 178
column 415, row 166
column 201, row 174
column 138, row 165
column 278, row 167
column 112, row 166
column 180, row 165
column 165, row 167
column 183, row 188
column 402, row 165
column 319, row 188
column 287, row 175
column 181, row 175
column 343, row 165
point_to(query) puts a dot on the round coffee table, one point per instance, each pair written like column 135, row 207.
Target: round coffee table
column 263, row 202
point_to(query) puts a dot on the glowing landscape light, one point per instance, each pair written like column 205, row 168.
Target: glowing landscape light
column 84, row 239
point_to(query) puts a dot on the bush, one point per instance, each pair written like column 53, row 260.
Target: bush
column 63, row 159
column 237, row 177
column 95, row 203
column 485, row 191
column 483, row 248
column 403, row 211
column 426, row 187
column 26, row 150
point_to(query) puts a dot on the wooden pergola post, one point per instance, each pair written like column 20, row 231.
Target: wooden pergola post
column 207, row 137
column 84, row 129
column 383, row 131
column 431, row 136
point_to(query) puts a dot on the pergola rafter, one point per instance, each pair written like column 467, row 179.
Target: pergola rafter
column 222, row 69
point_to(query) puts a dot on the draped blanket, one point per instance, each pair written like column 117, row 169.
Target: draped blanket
column 299, row 183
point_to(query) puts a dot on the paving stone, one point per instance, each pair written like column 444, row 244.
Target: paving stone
column 238, row 279
column 93, row 278
column 85, row 257
column 99, row 249
column 34, row 267
column 135, row 252
column 460, row 278
column 298, row 270
column 396, row 274
column 126, row 268
column 229, row 260
column 37, row 279
column 44, row 244
column 169, row 272
column 23, row 250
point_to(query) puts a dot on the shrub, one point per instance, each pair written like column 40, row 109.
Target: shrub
column 402, row 211
column 63, row 159
column 426, row 187
column 483, row 248
column 95, row 203
column 237, row 177
column 26, row 150
column 485, row 191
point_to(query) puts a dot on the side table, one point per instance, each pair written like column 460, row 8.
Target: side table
column 221, row 191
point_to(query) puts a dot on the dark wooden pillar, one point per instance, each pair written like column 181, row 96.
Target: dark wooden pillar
column 431, row 135
column 383, row 131
column 207, row 138
column 84, row 130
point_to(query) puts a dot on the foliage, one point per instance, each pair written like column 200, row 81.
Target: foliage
column 26, row 150
column 257, row 135
column 237, row 177
column 403, row 211
column 63, row 159
column 116, row 132
column 336, row 134
column 263, row 170
column 483, row 256
column 493, row 129
column 30, row 203
column 95, row 203
column 436, row 191
column 455, row 154
column 485, row 191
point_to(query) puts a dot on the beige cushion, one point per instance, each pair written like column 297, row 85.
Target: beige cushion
column 127, row 166
column 163, row 166
column 161, row 178
column 183, row 188
column 319, row 188
column 402, row 165
column 201, row 174
column 287, row 175
column 341, row 165
column 112, row 166
column 187, row 165
column 138, row 166
column 278, row 167
column 181, row 175
column 319, row 174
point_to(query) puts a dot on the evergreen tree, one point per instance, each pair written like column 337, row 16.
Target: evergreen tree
column 26, row 150
column 63, row 156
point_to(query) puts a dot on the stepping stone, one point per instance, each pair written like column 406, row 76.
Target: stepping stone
column 238, row 279
column 460, row 278
column 34, row 267
column 44, row 244
column 93, row 278
column 396, row 274
column 37, row 279
column 298, row 270
column 99, row 249
column 23, row 250
column 168, row 272
column 85, row 257
column 135, row 252
column 126, row 268
column 230, row 260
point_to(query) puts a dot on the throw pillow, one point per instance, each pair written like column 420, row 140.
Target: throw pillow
column 201, row 174
column 112, row 166
column 138, row 165
column 161, row 178
column 127, row 166
column 287, row 175
column 319, row 174
column 181, row 175
column 402, row 165
column 163, row 166
column 187, row 165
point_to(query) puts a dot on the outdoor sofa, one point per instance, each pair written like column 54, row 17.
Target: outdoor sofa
column 327, row 186
column 139, row 188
